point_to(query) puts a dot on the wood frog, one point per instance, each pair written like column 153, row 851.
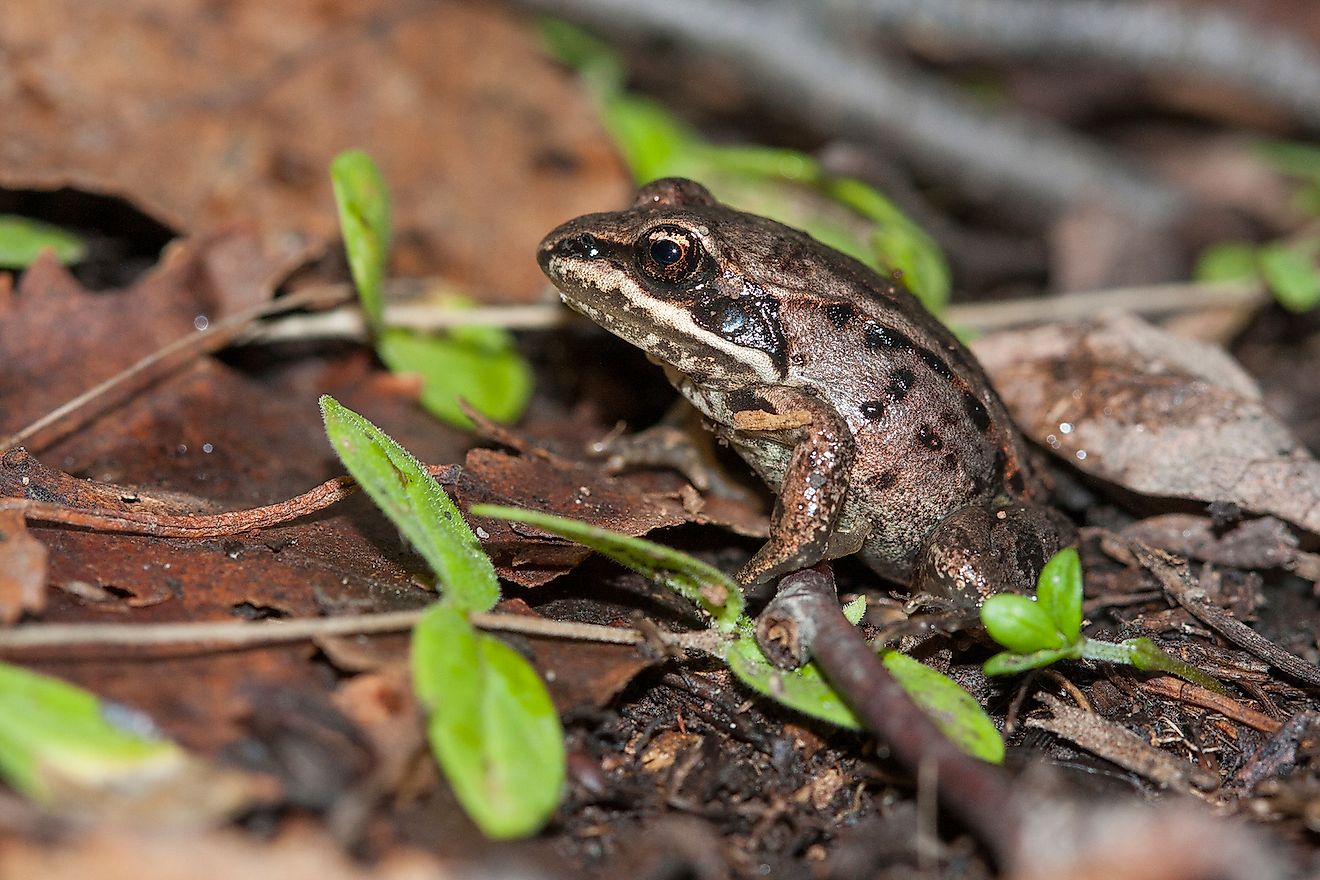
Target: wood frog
column 877, row 430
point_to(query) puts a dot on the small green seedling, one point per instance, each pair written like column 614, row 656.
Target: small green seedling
column 954, row 711
column 490, row 721
column 481, row 365
column 1290, row 267
column 1047, row 628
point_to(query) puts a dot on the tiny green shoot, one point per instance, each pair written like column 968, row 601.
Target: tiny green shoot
column 22, row 240
column 1289, row 268
column 490, row 721
column 1048, row 628
column 481, row 365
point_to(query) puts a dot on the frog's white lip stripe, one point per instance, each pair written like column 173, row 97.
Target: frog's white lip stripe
column 580, row 286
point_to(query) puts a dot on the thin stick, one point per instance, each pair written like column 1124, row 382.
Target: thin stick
column 60, row 421
column 1155, row 299
column 242, row 634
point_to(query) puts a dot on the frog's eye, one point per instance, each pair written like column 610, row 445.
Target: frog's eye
column 669, row 254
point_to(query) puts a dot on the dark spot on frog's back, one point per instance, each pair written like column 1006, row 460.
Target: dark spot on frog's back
column 879, row 336
column 977, row 412
column 840, row 314
column 884, row 480
column 935, row 362
column 900, row 384
column 929, row 438
column 872, row 409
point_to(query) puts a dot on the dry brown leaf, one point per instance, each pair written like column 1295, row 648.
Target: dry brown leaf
column 206, row 115
column 1157, row 414
column 22, row 569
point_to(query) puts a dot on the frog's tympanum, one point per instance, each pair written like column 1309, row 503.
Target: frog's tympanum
column 876, row 428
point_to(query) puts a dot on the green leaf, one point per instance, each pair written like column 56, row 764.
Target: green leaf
column 490, row 723
column 1008, row 663
column 364, row 217
column 705, row 585
column 952, row 709
column 478, row 364
column 59, row 742
column 855, row 610
column 416, row 504
column 1292, row 276
column 1019, row 624
column 1229, row 261
column 1059, row 592
column 1294, row 159
column 23, row 239
column 802, row 689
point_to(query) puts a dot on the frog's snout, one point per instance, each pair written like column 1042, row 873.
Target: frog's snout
column 573, row 246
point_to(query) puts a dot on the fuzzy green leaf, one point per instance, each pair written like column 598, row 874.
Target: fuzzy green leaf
column 1019, row 624
column 855, row 610
column 58, row 741
column 954, row 711
column 490, row 723
column 22, row 239
column 363, row 199
column 416, row 504
column 700, row 583
column 1059, row 592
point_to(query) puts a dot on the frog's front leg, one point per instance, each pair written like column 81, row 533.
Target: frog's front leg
column 814, row 485
column 984, row 549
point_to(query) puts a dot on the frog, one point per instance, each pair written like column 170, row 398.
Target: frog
column 875, row 428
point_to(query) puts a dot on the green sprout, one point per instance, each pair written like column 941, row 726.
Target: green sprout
column 1046, row 628
column 480, row 365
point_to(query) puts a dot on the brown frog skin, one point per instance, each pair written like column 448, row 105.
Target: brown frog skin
column 876, row 428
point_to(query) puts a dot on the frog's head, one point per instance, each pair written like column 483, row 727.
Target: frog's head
column 670, row 276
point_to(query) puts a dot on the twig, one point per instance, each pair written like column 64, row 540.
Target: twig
column 1186, row 692
column 347, row 322
column 240, row 634
column 64, row 418
column 1177, row 582
column 803, row 72
column 804, row 620
column 1155, row 299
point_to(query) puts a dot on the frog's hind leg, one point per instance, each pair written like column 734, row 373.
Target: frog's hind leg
column 981, row 550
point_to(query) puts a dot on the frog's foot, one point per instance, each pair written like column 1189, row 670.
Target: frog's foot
column 921, row 626
column 662, row 446
column 981, row 550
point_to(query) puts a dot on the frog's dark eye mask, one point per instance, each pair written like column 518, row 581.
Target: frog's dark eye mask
column 671, row 255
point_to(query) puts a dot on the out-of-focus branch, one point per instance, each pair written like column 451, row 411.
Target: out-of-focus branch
column 799, row 69
column 1148, row 36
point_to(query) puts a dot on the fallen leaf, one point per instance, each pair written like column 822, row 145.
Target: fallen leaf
column 264, row 97
column 1154, row 413
column 22, row 569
